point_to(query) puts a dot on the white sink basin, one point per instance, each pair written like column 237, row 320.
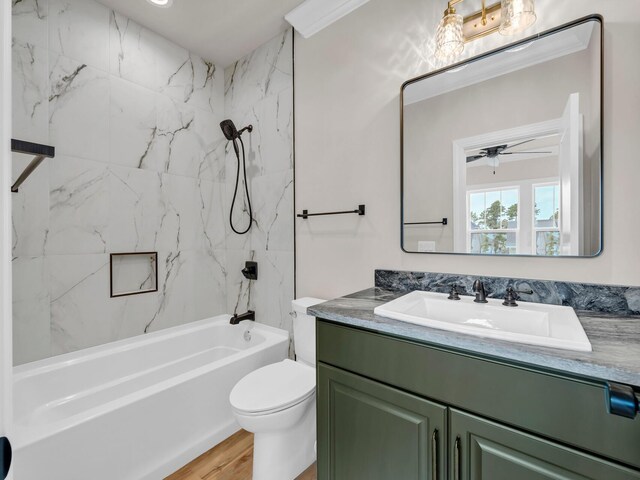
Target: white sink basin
column 530, row 323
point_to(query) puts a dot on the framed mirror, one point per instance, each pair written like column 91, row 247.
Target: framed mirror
column 502, row 153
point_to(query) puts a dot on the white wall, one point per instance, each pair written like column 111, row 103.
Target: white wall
column 348, row 80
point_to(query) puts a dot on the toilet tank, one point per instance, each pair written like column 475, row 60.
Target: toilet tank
column 304, row 330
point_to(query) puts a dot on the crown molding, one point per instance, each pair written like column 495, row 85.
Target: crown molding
column 314, row 15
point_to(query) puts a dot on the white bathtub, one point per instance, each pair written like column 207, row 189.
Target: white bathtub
column 138, row 408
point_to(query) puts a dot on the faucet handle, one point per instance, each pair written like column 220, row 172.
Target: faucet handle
column 454, row 293
column 512, row 295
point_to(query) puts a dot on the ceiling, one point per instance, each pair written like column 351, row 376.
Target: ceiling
column 221, row 31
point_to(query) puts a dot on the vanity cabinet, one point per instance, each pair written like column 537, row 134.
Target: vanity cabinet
column 389, row 408
column 375, row 432
column 481, row 449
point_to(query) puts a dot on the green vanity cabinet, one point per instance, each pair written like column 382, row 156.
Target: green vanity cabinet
column 484, row 450
column 370, row 431
column 381, row 399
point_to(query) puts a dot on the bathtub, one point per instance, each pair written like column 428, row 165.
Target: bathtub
column 136, row 409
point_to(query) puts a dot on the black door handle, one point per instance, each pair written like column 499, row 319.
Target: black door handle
column 5, row 456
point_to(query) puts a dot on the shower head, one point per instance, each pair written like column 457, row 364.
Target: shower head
column 230, row 131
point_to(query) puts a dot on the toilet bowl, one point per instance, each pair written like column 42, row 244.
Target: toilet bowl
column 278, row 404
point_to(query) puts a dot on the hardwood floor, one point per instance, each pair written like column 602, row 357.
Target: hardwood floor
column 231, row 460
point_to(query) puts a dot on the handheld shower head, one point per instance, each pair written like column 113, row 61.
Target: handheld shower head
column 230, row 131
column 232, row 134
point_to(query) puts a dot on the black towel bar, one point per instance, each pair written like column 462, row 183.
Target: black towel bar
column 444, row 221
column 305, row 213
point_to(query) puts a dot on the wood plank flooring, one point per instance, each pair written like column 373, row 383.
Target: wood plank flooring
column 231, row 460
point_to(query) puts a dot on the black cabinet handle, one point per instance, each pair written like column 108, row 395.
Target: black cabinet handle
column 5, row 456
column 456, row 459
column 434, row 455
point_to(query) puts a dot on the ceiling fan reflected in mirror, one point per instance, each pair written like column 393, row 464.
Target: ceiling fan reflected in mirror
column 492, row 154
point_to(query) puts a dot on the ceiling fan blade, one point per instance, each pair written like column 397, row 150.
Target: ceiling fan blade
column 520, row 143
column 473, row 158
column 520, row 153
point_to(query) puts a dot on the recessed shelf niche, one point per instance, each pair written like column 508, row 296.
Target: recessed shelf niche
column 133, row 273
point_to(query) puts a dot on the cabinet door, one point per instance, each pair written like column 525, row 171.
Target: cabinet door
column 480, row 449
column 370, row 431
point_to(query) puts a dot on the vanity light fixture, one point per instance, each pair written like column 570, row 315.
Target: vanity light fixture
column 161, row 3
column 507, row 17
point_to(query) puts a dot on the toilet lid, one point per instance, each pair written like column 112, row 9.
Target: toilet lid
column 274, row 387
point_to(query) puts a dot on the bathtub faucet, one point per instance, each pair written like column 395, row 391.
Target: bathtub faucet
column 236, row 319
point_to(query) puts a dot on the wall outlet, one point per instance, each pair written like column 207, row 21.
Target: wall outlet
column 426, row 246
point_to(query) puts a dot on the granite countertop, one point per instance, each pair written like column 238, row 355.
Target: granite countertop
column 615, row 339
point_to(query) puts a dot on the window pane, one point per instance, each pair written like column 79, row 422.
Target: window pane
column 547, row 206
column 476, row 207
column 548, row 243
column 496, row 209
column 509, row 217
column 493, row 243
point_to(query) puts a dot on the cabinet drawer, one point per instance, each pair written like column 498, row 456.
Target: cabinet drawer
column 370, row 431
column 483, row 450
column 569, row 410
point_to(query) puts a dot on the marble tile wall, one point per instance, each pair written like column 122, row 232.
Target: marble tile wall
column 259, row 91
column 140, row 166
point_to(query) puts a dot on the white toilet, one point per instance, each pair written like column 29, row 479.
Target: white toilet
column 278, row 404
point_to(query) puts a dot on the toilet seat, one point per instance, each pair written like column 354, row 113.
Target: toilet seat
column 273, row 388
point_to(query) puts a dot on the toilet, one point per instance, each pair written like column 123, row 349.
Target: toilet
column 278, row 404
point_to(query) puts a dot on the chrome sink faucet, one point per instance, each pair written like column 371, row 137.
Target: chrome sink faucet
column 481, row 294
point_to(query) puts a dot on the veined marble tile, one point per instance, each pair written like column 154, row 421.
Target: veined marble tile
column 136, row 210
column 211, row 162
column 75, row 322
column 134, row 51
column 180, row 225
column 78, row 109
column 266, row 71
column 275, row 130
column 273, row 212
column 131, row 314
column 212, row 215
column 133, row 131
column 31, row 314
column 79, row 29
column 30, row 208
column 269, row 147
column 29, row 22
column 177, row 149
column 209, row 283
column 207, row 91
column 79, row 206
column 30, row 87
column 175, row 301
column 188, row 78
